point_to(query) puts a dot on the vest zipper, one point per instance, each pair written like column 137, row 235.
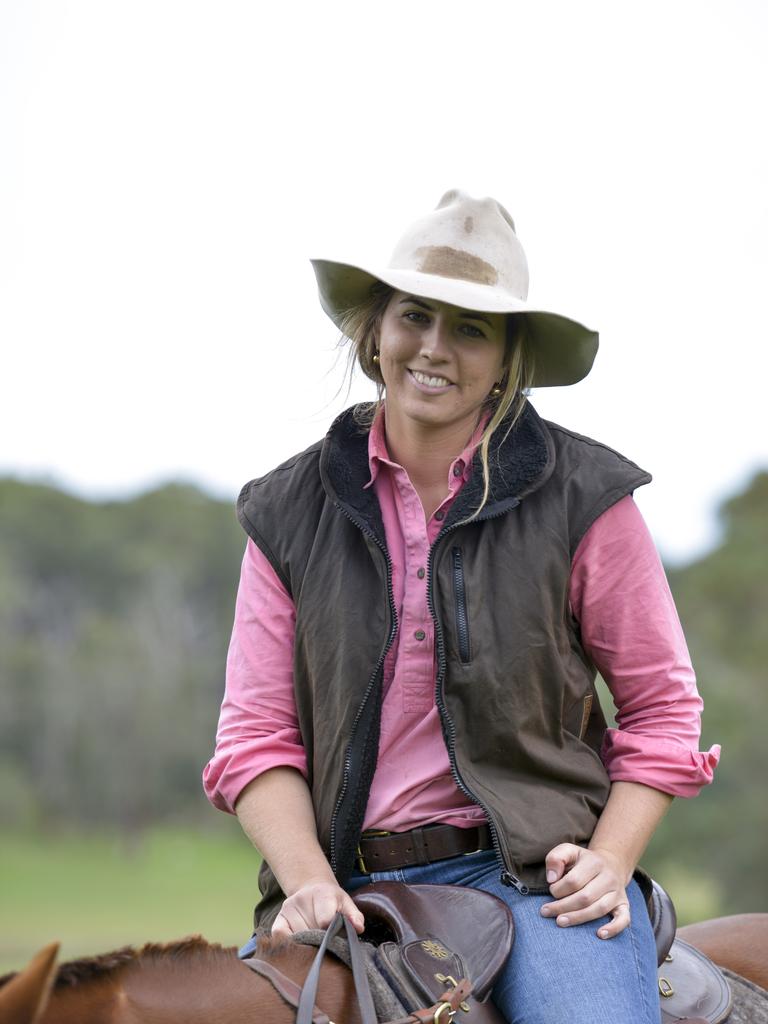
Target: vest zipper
column 449, row 732
column 371, row 682
column 462, row 615
column 507, row 877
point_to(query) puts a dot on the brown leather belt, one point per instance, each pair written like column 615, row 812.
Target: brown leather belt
column 386, row 851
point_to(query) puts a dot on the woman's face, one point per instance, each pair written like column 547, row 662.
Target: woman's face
column 438, row 362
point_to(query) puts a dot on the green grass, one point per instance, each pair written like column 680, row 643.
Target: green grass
column 95, row 892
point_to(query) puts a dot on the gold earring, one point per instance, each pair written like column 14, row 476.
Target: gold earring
column 376, row 358
column 496, row 390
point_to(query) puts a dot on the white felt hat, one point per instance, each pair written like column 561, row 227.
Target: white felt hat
column 465, row 252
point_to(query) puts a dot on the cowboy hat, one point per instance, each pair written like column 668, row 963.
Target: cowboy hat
column 466, row 252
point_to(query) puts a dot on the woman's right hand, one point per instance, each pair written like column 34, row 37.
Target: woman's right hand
column 315, row 905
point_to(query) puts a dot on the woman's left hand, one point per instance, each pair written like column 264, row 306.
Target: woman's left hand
column 587, row 884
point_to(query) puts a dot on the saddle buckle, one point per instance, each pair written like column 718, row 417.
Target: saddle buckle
column 666, row 989
column 443, row 1014
column 448, row 979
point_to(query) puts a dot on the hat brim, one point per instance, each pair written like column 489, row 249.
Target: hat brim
column 563, row 349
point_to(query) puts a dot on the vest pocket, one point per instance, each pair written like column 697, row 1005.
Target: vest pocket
column 585, row 715
column 460, row 605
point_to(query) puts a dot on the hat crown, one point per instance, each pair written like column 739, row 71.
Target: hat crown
column 466, row 239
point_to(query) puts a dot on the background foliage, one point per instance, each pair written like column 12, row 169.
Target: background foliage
column 115, row 620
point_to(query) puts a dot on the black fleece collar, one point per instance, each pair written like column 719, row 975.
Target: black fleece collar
column 519, row 464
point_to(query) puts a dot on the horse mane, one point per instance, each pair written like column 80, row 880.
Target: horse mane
column 192, row 948
column 272, row 945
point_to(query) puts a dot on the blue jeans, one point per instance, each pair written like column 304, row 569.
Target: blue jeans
column 555, row 975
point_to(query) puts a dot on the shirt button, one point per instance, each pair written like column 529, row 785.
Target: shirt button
column 420, row 634
column 421, row 572
column 440, row 515
column 457, row 470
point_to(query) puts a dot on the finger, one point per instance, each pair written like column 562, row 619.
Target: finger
column 559, row 859
column 579, row 900
column 580, row 876
column 588, row 911
column 326, row 905
column 280, row 928
column 293, row 920
column 324, row 909
column 620, row 919
column 582, row 899
column 350, row 910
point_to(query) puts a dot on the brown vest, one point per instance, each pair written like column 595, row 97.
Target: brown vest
column 515, row 688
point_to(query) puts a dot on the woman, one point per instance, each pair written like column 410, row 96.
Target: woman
column 425, row 597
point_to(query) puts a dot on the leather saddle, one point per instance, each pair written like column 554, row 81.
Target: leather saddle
column 691, row 987
column 430, row 935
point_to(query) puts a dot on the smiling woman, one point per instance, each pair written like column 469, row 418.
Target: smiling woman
column 426, row 597
column 439, row 365
column 501, row 338
column 439, row 350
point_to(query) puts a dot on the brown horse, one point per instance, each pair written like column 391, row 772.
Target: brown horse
column 194, row 982
column 191, row 981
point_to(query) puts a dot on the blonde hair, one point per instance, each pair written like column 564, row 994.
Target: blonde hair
column 360, row 327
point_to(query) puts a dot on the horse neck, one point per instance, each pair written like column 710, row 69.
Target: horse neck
column 93, row 1002
column 164, row 985
column 336, row 989
column 199, row 989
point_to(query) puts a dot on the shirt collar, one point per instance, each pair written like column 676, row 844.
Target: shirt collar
column 459, row 470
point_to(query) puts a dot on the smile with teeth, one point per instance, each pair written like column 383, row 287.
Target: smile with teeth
column 430, row 382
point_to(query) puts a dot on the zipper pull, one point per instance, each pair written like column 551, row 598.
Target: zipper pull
column 507, row 878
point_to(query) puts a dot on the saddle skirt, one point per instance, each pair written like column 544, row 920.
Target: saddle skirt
column 691, row 986
column 474, row 924
column 438, row 934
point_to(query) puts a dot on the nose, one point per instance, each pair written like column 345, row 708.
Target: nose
column 435, row 341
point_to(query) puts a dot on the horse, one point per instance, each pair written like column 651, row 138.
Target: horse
column 193, row 981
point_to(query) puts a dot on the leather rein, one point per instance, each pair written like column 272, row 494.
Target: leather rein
column 303, row 998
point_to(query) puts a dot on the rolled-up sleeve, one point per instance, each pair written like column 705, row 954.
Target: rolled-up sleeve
column 258, row 725
column 631, row 630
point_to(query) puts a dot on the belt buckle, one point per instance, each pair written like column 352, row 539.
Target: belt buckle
column 480, row 849
column 372, row 834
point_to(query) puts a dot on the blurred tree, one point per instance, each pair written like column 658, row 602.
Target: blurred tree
column 116, row 619
column 723, row 605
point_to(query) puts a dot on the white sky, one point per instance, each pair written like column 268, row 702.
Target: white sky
column 167, row 168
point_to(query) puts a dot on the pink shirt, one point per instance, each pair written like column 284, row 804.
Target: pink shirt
column 629, row 628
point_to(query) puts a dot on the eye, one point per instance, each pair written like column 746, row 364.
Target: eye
column 416, row 316
column 472, row 331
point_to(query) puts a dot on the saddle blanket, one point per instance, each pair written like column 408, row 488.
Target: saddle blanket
column 387, row 1005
